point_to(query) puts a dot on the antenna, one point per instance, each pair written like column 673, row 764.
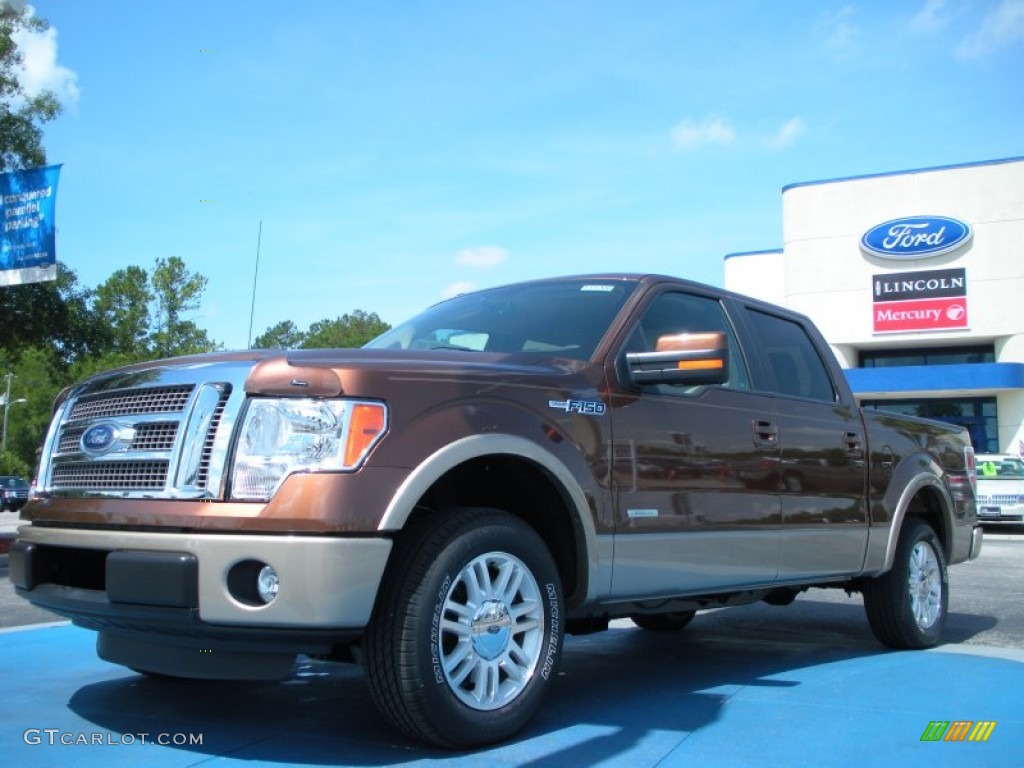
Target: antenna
column 252, row 308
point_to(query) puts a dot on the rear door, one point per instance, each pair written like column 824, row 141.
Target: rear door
column 823, row 472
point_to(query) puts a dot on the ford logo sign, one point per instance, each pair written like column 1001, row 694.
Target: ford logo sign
column 915, row 237
column 99, row 438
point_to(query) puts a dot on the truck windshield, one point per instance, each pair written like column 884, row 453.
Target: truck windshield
column 1006, row 468
column 558, row 318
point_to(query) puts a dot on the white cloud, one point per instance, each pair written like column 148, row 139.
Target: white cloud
column 1001, row 27
column 931, row 17
column 689, row 134
column 483, row 257
column 40, row 70
column 788, row 133
column 839, row 31
column 453, row 290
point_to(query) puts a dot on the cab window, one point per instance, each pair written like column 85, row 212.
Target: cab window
column 791, row 358
column 674, row 313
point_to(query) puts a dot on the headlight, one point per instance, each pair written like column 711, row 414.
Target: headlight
column 281, row 436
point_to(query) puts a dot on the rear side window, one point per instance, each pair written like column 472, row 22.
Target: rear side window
column 791, row 359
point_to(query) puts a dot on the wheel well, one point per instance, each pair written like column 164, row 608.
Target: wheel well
column 522, row 488
column 927, row 505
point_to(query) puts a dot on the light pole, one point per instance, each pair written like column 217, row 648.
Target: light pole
column 8, row 404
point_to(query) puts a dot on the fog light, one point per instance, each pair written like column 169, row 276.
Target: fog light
column 267, row 584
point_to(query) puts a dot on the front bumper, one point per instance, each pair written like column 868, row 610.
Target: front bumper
column 1000, row 514
column 141, row 580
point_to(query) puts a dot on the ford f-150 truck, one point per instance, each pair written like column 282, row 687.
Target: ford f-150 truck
column 510, row 465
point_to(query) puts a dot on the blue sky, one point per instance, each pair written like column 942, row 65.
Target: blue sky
column 399, row 152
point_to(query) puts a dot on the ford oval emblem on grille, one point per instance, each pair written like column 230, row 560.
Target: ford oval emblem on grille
column 916, row 237
column 99, row 438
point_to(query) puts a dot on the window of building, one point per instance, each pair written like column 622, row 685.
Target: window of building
column 888, row 358
column 978, row 414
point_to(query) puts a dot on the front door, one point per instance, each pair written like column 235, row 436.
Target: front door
column 696, row 470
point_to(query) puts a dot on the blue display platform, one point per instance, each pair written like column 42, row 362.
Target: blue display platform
column 624, row 698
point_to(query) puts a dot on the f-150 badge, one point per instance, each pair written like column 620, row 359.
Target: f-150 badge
column 586, row 407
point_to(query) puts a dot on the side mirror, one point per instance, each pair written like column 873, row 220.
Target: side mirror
column 686, row 359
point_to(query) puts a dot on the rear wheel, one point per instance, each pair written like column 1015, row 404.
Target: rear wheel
column 906, row 607
column 663, row 622
column 467, row 633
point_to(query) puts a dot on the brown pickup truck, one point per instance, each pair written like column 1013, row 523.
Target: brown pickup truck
column 506, row 467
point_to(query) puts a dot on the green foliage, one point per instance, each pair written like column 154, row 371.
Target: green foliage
column 21, row 116
column 352, row 330
column 37, row 379
column 177, row 291
column 346, row 331
column 55, row 314
column 284, row 335
column 12, row 464
column 122, row 303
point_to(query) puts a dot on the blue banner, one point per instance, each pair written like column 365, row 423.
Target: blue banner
column 28, row 247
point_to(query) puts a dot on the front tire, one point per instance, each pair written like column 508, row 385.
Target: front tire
column 467, row 633
column 906, row 607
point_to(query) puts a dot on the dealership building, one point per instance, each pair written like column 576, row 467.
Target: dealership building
column 916, row 279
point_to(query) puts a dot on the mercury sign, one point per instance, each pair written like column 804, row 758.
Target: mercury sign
column 916, row 237
column 935, row 300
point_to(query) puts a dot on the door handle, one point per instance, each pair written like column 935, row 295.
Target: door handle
column 888, row 459
column 766, row 434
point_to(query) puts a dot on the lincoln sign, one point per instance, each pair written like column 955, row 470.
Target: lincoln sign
column 935, row 300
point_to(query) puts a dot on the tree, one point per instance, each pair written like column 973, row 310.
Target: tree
column 177, row 291
column 55, row 314
column 36, row 380
column 21, row 115
column 122, row 303
column 346, row 331
column 284, row 335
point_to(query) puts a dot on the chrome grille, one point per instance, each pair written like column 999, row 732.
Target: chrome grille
column 169, row 439
column 204, row 462
column 158, row 436
column 1002, row 498
column 132, row 401
column 70, row 439
column 111, row 475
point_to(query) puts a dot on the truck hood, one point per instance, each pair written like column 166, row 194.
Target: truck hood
column 333, row 372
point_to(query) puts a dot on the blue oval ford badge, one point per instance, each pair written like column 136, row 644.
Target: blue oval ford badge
column 915, row 237
column 99, row 438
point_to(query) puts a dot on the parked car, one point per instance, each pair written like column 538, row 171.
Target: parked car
column 1000, row 488
column 13, row 493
